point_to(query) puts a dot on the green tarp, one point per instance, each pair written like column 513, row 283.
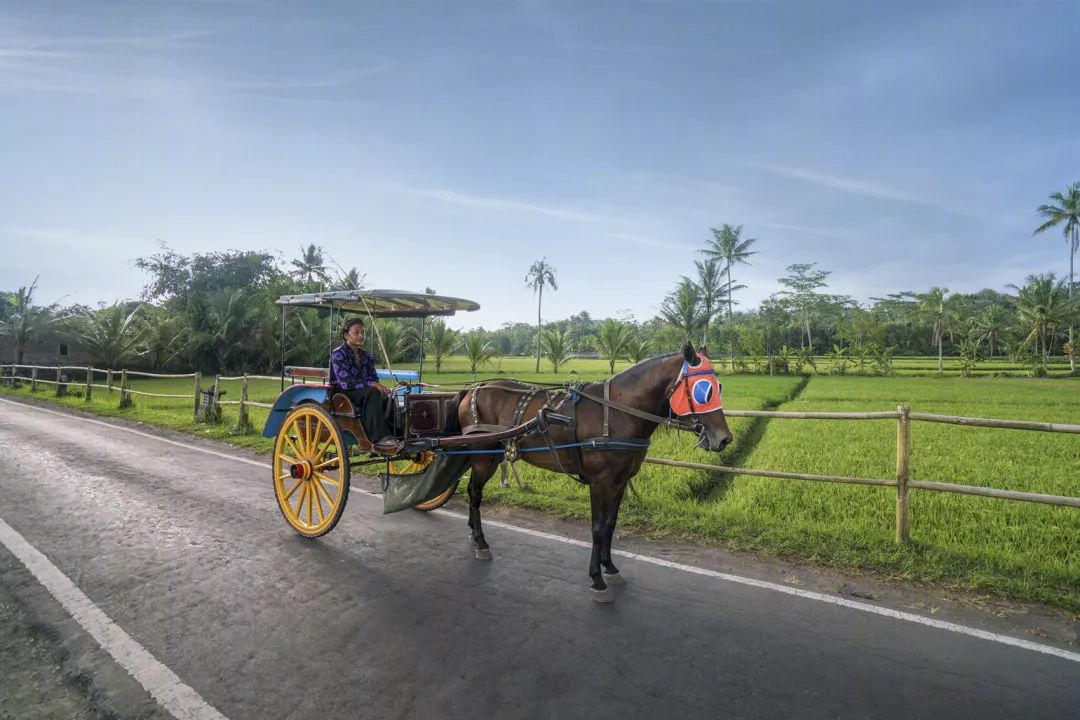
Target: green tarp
column 406, row 491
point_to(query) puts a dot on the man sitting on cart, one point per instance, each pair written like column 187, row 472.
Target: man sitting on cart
column 352, row 371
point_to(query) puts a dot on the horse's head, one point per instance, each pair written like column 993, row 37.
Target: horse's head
column 696, row 395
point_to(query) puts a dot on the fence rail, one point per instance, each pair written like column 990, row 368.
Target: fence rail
column 902, row 415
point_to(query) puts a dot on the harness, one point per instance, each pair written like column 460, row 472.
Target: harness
column 698, row 398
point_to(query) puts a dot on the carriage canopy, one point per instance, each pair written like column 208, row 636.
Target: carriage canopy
column 381, row 303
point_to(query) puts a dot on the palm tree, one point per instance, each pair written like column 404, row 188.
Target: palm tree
column 988, row 327
column 23, row 320
column 477, row 349
column 231, row 314
column 638, row 348
column 397, row 339
column 166, row 336
column 441, row 341
column 556, row 348
column 614, row 339
column 539, row 275
column 310, row 266
column 1067, row 214
column 682, row 308
column 113, row 334
column 933, row 305
column 710, row 283
column 1042, row 306
column 728, row 245
column 351, row 280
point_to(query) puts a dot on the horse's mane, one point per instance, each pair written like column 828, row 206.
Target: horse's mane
column 643, row 367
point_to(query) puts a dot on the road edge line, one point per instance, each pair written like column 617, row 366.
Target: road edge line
column 163, row 684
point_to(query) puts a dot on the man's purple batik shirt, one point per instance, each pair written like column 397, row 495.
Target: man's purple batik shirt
column 347, row 374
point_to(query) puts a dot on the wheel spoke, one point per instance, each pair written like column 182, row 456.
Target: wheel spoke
column 326, row 478
column 300, row 501
column 309, row 435
column 326, row 463
column 291, row 491
column 318, row 506
column 289, row 442
column 322, row 451
column 322, row 490
column 307, row 490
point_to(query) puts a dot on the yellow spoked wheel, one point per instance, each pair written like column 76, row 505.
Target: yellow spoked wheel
column 311, row 471
column 415, row 464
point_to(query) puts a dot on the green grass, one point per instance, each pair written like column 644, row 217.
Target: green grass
column 1021, row 550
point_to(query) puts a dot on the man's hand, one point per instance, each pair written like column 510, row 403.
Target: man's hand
column 381, row 388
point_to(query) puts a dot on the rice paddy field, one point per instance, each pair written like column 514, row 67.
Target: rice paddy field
column 1016, row 549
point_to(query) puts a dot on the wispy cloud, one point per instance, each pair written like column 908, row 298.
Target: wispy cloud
column 480, row 202
column 854, row 186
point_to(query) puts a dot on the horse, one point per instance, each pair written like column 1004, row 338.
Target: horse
column 604, row 442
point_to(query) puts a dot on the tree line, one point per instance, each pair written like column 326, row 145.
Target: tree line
column 215, row 312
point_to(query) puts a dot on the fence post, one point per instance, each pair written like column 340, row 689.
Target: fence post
column 89, row 382
column 213, row 409
column 198, row 391
column 108, row 381
column 33, row 379
column 125, row 396
column 243, row 422
column 903, row 447
column 61, row 382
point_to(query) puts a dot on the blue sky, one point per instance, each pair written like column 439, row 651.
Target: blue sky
column 900, row 145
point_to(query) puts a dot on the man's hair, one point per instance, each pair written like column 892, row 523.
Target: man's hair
column 349, row 323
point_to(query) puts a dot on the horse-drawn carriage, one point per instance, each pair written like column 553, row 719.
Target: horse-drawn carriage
column 597, row 433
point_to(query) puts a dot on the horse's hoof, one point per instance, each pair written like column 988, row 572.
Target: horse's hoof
column 603, row 596
column 614, row 579
column 483, row 553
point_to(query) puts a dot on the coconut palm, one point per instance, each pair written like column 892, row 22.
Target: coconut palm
column 539, row 275
column 477, row 349
column 165, row 336
column 23, row 321
column 933, row 306
column 1067, row 214
column 1042, row 306
column 988, row 326
column 613, row 340
column 352, row 280
column 440, row 342
column 112, row 334
column 682, row 308
column 396, row 339
column 556, row 348
column 710, row 283
column 728, row 245
column 310, row 266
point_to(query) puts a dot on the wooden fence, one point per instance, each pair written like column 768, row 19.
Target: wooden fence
column 902, row 415
column 902, row 481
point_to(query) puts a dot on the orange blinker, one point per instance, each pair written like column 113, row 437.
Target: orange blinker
column 697, row 391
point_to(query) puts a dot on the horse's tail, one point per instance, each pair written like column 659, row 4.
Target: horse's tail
column 452, row 426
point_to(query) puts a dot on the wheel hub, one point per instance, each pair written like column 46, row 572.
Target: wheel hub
column 301, row 470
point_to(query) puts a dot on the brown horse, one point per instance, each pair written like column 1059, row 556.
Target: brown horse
column 605, row 442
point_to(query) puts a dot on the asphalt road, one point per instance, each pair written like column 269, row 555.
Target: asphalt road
column 393, row 617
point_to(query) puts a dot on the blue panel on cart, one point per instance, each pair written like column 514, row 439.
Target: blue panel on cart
column 289, row 398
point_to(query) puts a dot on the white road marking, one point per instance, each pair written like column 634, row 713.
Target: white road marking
column 158, row 680
column 727, row 577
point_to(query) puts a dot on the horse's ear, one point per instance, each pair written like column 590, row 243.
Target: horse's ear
column 703, row 351
column 689, row 355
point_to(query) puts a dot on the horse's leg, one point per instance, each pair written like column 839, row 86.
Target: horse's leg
column 482, row 470
column 600, row 496
column 610, row 570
